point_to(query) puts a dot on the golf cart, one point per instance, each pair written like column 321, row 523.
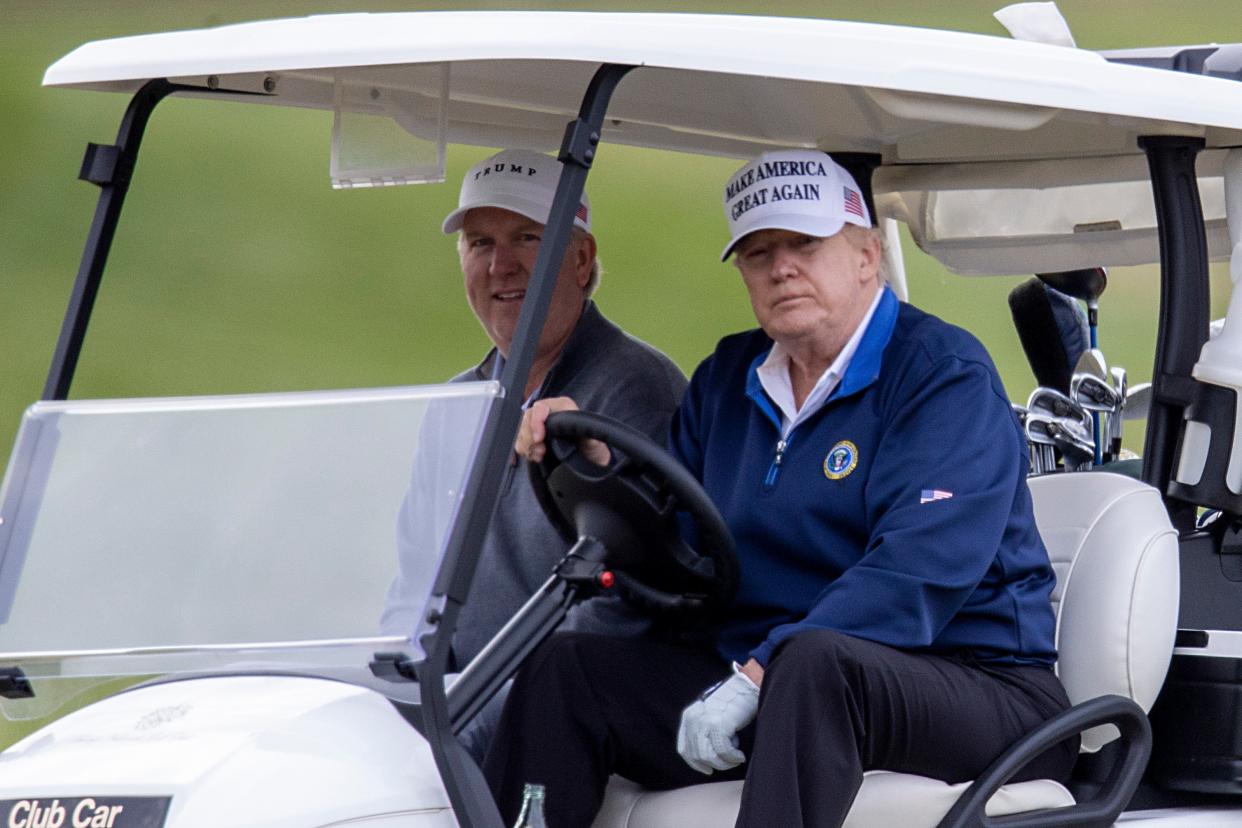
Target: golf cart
column 231, row 555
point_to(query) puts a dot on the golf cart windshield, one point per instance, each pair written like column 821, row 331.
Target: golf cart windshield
column 160, row 536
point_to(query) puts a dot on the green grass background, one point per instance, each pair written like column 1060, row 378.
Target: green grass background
column 238, row 269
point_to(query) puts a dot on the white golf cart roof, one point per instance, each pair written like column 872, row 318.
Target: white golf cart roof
column 713, row 84
column 945, row 111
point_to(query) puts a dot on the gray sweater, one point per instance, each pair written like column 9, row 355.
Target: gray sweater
column 605, row 371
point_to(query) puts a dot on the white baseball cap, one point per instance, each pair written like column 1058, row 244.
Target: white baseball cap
column 523, row 181
column 800, row 190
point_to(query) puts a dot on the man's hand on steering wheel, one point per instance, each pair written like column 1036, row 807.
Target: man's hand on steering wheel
column 600, row 481
column 533, row 433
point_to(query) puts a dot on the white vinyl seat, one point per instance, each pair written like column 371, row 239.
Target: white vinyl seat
column 1115, row 555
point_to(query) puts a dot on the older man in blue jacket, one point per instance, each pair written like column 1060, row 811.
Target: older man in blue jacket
column 894, row 604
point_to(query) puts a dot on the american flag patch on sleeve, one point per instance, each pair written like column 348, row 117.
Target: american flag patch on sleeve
column 928, row 495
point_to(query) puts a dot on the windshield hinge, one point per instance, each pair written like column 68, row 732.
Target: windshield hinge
column 102, row 163
column 578, row 146
column 393, row 667
column 14, row 684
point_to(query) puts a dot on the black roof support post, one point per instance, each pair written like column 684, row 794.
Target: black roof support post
column 111, row 167
column 468, row 792
column 1184, row 308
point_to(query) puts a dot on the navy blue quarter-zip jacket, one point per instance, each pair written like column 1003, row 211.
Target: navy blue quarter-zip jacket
column 898, row 512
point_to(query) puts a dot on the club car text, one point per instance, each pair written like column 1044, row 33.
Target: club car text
column 84, row 812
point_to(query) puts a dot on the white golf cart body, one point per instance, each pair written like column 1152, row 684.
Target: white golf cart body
column 239, row 549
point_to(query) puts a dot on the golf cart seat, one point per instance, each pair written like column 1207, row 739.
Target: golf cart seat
column 1115, row 554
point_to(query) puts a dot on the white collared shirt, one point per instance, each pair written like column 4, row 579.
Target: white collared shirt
column 774, row 376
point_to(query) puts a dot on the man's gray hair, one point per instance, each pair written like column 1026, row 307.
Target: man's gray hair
column 597, row 268
column 857, row 233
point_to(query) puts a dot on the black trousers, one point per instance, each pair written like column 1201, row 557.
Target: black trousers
column 831, row 706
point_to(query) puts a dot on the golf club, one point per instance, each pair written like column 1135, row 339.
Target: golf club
column 1054, row 420
column 1115, row 418
column 1138, row 401
column 1086, row 284
column 1043, row 453
column 1092, row 363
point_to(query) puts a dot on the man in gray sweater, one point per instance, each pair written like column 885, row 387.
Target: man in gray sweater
column 504, row 203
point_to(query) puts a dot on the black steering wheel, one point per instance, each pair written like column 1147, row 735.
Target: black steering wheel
column 631, row 508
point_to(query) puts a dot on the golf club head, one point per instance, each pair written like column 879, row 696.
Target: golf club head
column 1074, row 440
column 1092, row 362
column 1086, row 284
column 1138, row 401
column 1119, row 380
column 1037, row 431
column 1071, row 436
column 1052, row 403
column 1093, row 393
column 1117, row 415
column 1040, row 444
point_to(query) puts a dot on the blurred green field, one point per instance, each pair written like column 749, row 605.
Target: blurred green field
column 238, row 269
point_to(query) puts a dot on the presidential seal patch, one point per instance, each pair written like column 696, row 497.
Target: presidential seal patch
column 841, row 460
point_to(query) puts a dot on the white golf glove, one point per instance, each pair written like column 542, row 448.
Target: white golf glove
column 707, row 738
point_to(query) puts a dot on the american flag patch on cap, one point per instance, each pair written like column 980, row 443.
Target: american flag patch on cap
column 853, row 202
column 928, row 495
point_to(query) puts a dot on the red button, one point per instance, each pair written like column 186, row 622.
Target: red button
column 606, row 579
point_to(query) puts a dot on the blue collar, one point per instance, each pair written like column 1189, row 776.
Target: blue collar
column 863, row 370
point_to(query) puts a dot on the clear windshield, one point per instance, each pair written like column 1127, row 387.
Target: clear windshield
column 156, row 536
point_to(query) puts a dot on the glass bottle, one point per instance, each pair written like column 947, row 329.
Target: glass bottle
column 531, row 815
